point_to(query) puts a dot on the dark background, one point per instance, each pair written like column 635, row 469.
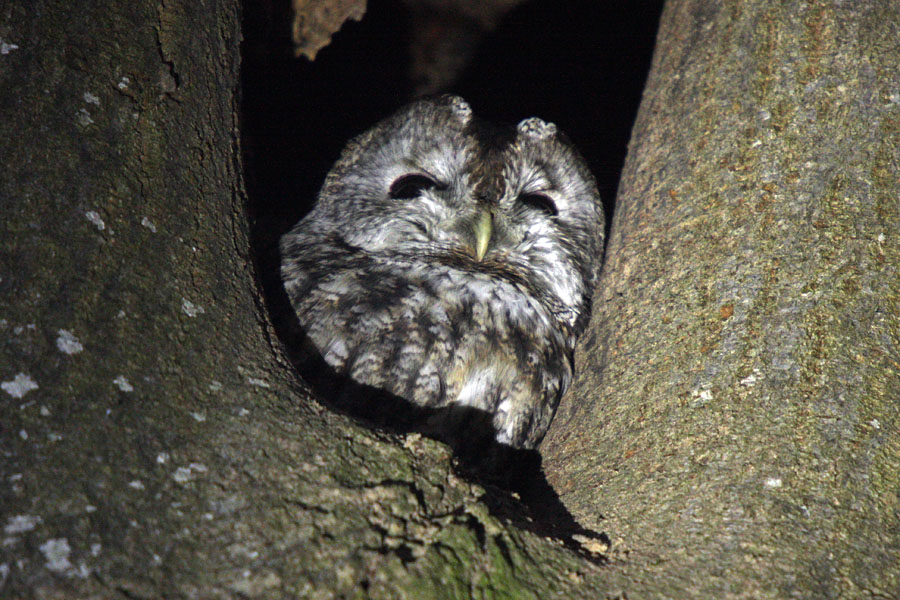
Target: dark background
column 581, row 64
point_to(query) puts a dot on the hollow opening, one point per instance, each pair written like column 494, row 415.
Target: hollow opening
column 580, row 64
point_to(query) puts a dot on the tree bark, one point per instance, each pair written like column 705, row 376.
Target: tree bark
column 734, row 429
column 154, row 441
column 735, row 426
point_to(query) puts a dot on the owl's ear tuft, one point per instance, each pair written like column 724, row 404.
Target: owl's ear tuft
column 460, row 108
column 536, row 128
column 407, row 187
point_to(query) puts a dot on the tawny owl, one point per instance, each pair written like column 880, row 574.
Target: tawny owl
column 450, row 264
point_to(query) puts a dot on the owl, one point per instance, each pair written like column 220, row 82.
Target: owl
column 448, row 264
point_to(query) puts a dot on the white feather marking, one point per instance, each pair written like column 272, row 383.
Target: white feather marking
column 337, row 353
column 474, row 392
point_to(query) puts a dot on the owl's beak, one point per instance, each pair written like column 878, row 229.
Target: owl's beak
column 484, row 227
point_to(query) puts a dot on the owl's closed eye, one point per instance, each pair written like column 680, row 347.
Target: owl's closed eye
column 450, row 263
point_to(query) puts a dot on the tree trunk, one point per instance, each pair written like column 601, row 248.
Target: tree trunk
column 155, row 443
column 734, row 429
column 735, row 426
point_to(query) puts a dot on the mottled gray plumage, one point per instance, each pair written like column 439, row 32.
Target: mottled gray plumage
column 450, row 263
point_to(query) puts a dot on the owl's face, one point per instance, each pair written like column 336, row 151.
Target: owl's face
column 434, row 186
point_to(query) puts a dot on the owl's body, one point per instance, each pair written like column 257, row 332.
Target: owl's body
column 450, row 264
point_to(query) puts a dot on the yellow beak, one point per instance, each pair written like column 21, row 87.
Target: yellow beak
column 484, row 227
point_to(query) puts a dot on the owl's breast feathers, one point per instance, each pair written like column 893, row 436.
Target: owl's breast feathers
column 437, row 331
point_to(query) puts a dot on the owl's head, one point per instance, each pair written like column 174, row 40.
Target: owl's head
column 435, row 185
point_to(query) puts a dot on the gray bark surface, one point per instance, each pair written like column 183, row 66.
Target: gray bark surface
column 734, row 428
column 167, row 450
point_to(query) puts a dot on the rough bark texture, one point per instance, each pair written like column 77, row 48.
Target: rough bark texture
column 735, row 426
column 735, row 429
column 154, row 443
